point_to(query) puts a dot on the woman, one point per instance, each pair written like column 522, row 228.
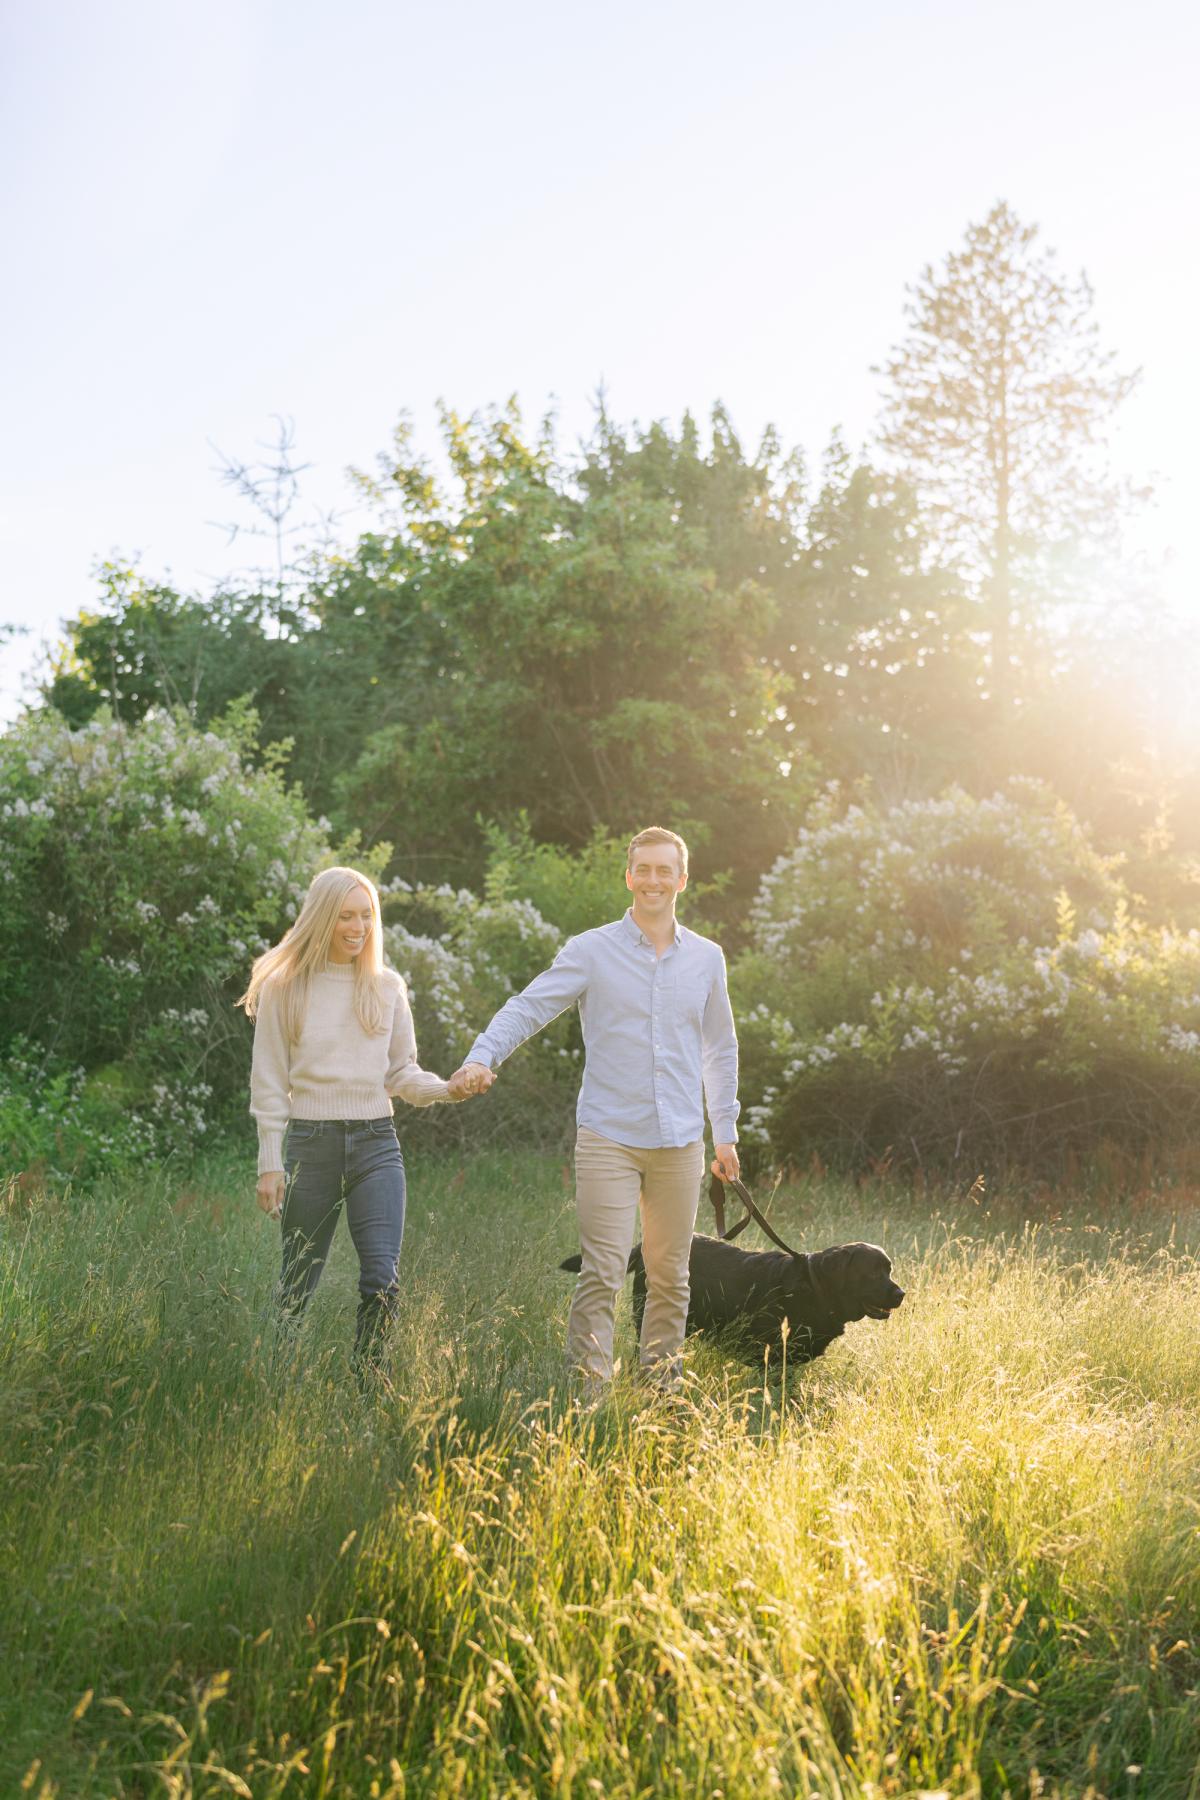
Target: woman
column 333, row 1042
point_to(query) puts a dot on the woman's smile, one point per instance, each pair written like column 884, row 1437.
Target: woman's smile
column 353, row 927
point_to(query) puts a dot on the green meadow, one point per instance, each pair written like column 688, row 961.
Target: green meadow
column 959, row 1555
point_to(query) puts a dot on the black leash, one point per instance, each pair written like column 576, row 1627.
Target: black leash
column 716, row 1194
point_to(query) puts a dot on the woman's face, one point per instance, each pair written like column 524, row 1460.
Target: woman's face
column 353, row 926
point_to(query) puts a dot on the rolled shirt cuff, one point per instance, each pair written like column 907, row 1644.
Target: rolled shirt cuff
column 479, row 1054
column 270, row 1152
column 724, row 1131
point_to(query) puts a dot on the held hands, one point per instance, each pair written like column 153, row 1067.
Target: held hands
column 472, row 1078
column 725, row 1164
column 270, row 1193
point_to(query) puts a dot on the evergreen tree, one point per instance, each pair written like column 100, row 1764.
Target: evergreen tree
column 996, row 409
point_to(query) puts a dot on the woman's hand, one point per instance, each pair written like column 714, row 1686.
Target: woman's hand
column 270, row 1193
column 472, row 1078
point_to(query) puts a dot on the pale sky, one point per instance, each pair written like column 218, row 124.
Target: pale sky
column 213, row 214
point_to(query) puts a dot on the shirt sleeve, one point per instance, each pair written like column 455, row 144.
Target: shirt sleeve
column 270, row 1081
column 547, row 995
column 405, row 1077
column 720, row 1060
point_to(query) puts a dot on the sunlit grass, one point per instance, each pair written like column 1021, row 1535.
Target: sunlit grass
column 961, row 1549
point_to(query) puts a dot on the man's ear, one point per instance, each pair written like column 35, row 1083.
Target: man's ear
column 629, row 878
column 682, row 883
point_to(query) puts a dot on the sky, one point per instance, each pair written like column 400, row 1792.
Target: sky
column 218, row 214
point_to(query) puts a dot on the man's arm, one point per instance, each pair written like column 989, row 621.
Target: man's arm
column 547, row 995
column 720, row 1073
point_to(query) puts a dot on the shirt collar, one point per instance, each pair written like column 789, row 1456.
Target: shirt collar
column 633, row 930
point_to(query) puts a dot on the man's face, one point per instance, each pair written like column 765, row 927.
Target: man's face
column 654, row 878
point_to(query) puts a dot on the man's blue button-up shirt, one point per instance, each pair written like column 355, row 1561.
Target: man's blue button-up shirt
column 657, row 1031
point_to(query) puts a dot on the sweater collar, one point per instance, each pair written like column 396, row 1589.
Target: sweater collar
column 339, row 971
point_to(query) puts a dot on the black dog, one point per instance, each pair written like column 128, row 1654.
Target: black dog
column 747, row 1294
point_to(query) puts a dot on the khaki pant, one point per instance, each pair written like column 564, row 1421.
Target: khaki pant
column 610, row 1180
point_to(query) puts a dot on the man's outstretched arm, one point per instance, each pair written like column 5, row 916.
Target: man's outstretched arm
column 547, row 995
column 720, row 1075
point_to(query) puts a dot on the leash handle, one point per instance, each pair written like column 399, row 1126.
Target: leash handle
column 717, row 1197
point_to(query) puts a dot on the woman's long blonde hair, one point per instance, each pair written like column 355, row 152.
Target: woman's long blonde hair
column 303, row 952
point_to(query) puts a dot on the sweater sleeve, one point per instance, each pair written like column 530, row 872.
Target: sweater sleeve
column 405, row 1077
column 270, row 1081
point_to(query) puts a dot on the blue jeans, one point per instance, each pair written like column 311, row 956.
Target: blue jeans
column 358, row 1161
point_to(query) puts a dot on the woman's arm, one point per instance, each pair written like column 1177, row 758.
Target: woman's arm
column 270, row 1081
column 405, row 1077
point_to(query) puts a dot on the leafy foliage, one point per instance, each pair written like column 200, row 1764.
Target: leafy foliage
column 462, row 956
column 575, row 892
column 575, row 655
column 665, row 631
column 876, row 638
column 148, row 648
column 141, row 869
column 528, row 656
column 963, row 977
column 57, row 1126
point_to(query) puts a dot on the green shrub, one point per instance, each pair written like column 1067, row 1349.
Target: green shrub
column 962, row 978
column 56, row 1125
column 462, row 956
column 141, row 870
column 580, row 889
column 574, row 890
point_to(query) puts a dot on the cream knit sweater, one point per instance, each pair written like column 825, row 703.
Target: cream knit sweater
column 334, row 1070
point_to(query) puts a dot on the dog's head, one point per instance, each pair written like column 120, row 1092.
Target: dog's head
column 855, row 1281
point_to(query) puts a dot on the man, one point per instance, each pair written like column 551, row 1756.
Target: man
column 657, row 1029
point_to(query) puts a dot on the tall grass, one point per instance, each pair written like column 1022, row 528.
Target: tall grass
column 959, row 1554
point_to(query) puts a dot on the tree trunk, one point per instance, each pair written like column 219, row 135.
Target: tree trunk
column 1001, row 563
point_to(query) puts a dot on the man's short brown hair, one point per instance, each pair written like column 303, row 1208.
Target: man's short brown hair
column 657, row 834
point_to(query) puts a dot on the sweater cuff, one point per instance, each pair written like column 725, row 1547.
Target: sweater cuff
column 270, row 1152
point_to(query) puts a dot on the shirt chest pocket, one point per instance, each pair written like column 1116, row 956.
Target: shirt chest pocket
column 690, row 997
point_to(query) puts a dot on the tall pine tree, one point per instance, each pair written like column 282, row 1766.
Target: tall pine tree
column 996, row 409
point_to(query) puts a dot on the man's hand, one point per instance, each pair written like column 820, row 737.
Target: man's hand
column 725, row 1162
column 472, row 1078
column 270, row 1193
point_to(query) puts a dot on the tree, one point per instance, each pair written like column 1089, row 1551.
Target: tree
column 874, row 635
column 665, row 629
column 996, row 411
column 149, row 647
column 573, row 647
column 270, row 488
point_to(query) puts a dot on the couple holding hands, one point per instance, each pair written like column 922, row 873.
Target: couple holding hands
column 334, row 1042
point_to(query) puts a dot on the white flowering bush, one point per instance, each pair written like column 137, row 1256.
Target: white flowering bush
column 141, row 870
column 462, row 956
column 962, row 978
